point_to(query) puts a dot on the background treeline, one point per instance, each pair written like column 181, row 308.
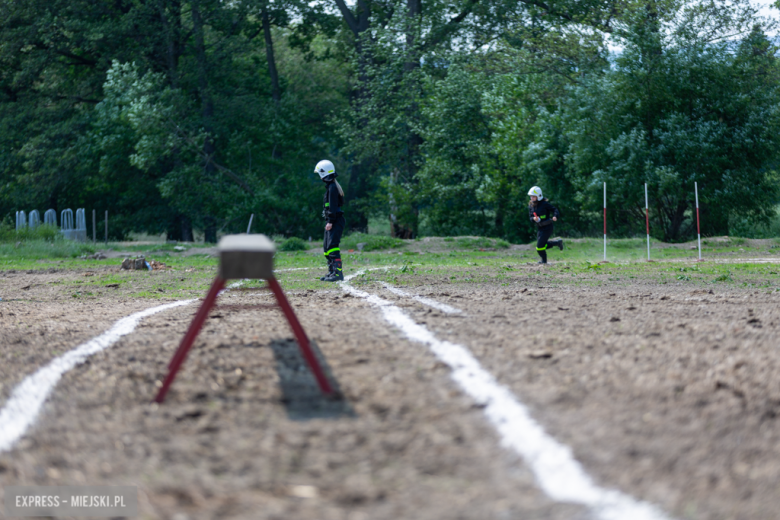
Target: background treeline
column 177, row 115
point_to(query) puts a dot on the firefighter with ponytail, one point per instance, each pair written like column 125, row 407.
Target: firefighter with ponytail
column 334, row 216
column 543, row 214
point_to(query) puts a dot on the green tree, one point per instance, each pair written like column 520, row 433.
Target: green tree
column 679, row 107
column 201, row 130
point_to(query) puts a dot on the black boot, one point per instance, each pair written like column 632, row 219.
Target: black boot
column 556, row 243
column 330, row 270
column 543, row 256
column 337, row 275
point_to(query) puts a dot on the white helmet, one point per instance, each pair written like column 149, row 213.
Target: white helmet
column 537, row 192
column 324, row 168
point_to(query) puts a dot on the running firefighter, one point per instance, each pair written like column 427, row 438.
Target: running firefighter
column 543, row 214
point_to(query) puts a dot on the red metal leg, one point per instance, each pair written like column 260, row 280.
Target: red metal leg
column 189, row 338
column 300, row 335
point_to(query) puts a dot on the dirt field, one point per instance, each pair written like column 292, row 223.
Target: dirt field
column 666, row 392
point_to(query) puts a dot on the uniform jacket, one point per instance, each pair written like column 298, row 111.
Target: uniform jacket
column 545, row 211
column 332, row 203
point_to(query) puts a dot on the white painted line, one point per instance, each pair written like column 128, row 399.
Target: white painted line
column 443, row 307
column 234, row 285
column 557, row 472
column 743, row 260
column 25, row 402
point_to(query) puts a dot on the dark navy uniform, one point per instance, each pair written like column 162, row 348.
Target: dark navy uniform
column 545, row 211
column 332, row 212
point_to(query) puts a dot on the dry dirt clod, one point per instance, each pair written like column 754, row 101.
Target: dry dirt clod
column 304, row 492
column 540, row 354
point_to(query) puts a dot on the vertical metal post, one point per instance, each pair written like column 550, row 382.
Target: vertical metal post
column 249, row 227
column 106, row 227
column 698, row 226
column 605, row 221
column 189, row 337
column 94, row 228
column 647, row 223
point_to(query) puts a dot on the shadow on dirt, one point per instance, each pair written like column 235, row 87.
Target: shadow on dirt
column 301, row 394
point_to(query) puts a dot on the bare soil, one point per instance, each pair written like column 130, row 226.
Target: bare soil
column 669, row 393
column 245, row 434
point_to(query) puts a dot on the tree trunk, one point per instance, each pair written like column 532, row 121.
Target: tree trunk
column 180, row 229
column 173, row 230
column 414, row 140
column 186, row 229
column 357, row 187
column 276, row 92
column 210, row 231
column 675, row 222
column 207, row 104
column 499, row 221
column 172, row 27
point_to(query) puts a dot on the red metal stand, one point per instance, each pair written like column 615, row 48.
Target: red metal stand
column 197, row 324
column 200, row 318
column 300, row 335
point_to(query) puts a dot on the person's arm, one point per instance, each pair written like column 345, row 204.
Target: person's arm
column 532, row 214
column 332, row 206
column 556, row 214
column 543, row 211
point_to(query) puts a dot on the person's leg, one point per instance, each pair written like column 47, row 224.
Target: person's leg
column 330, row 269
column 326, row 246
column 334, row 253
column 541, row 244
column 555, row 243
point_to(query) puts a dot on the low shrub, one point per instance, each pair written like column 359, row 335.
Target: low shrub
column 628, row 243
column 8, row 233
column 371, row 242
column 43, row 249
column 481, row 243
column 293, row 244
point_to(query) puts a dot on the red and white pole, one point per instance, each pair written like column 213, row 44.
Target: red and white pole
column 605, row 221
column 698, row 225
column 647, row 224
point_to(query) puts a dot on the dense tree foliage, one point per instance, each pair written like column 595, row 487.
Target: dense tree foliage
column 177, row 115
